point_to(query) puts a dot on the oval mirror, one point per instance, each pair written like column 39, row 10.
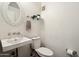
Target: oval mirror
column 13, row 13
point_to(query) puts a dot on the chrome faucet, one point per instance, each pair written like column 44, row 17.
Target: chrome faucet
column 14, row 33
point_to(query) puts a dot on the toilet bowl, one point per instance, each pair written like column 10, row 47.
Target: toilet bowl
column 41, row 51
column 44, row 52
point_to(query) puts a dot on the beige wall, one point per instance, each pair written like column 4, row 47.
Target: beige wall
column 30, row 8
column 61, row 27
column 58, row 28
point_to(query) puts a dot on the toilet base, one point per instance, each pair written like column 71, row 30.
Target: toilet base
column 34, row 53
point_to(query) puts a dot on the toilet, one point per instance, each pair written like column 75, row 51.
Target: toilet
column 41, row 51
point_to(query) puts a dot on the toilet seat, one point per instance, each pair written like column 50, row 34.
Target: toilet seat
column 45, row 52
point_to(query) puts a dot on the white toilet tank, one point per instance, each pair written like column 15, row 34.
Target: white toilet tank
column 36, row 42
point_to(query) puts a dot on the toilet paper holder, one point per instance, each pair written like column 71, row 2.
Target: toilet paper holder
column 71, row 53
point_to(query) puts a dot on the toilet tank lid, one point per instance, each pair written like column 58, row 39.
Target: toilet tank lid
column 34, row 38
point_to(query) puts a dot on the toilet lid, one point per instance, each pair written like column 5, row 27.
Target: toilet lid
column 45, row 51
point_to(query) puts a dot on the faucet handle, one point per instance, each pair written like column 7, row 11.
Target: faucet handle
column 14, row 33
column 18, row 33
column 9, row 34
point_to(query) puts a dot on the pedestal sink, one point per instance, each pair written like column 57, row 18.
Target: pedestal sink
column 12, row 43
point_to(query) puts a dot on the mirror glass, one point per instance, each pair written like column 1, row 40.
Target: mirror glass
column 12, row 13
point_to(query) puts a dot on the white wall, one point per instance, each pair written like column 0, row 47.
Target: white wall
column 58, row 28
column 61, row 27
column 30, row 8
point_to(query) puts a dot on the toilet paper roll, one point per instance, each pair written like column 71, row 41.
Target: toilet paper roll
column 71, row 52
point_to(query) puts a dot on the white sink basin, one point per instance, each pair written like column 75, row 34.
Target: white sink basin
column 15, row 40
column 8, row 44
